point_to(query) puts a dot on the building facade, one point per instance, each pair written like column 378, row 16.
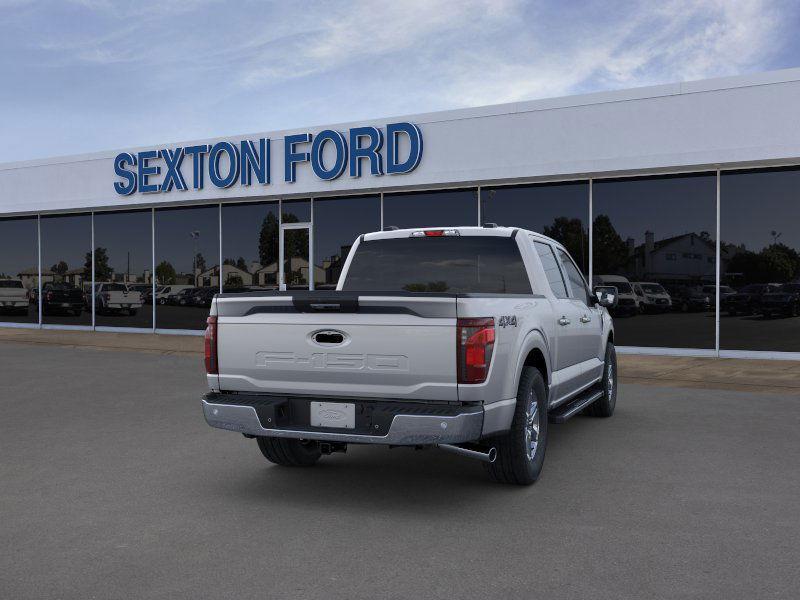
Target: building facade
column 693, row 188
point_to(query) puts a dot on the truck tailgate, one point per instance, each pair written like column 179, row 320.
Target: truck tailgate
column 392, row 347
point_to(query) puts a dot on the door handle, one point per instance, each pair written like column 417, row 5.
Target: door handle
column 586, row 319
column 563, row 321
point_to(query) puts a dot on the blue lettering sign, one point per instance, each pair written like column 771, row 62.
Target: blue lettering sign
column 317, row 148
column 227, row 163
column 414, row 135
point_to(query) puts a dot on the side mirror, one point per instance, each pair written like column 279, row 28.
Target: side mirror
column 607, row 295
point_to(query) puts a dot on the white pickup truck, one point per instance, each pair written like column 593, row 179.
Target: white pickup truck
column 465, row 338
column 13, row 296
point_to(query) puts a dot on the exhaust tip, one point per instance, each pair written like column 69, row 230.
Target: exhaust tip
column 492, row 454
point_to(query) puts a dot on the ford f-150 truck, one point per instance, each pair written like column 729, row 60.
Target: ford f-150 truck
column 13, row 296
column 465, row 338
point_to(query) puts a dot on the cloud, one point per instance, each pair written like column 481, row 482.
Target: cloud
column 199, row 68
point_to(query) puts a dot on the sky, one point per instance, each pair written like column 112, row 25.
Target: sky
column 88, row 75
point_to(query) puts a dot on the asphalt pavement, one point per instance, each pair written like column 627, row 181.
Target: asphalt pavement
column 112, row 486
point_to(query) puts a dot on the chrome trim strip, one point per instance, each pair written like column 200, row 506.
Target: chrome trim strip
column 406, row 430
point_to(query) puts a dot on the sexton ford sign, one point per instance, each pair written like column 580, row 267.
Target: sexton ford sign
column 225, row 163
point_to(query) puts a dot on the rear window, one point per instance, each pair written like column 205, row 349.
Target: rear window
column 115, row 287
column 458, row 264
column 5, row 283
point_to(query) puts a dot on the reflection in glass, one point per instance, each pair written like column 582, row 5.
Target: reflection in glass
column 296, row 211
column 249, row 247
column 431, row 209
column 67, row 269
column 187, row 257
column 295, row 258
column 19, row 270
column 760, row 260
column 337, row 224
column 654, row 241
column 557, row 210
column 123, row 267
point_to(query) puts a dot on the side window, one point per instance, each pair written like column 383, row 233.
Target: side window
column 576, row 283
column 551, row 270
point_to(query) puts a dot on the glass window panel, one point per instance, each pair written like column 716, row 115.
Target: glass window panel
column 295, row 258
column 296, row 211
column 576, row 283
column 19, row 270
column 187, row 256
column 551, row 270
column 66, row 269
column 557, row 210
column 760, row 260
column 337, row 224
column 431, row 209
column 123, row 265
column 658, row 230
column 459, row 264
column 249, row 247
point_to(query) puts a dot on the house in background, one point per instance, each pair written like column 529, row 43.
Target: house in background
column 682, row 259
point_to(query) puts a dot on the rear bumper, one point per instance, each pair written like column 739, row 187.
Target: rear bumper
column 378, row 422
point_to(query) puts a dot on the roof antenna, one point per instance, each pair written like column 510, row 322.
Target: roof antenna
column 490, row 225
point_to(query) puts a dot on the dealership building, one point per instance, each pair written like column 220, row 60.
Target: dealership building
column 685, row 196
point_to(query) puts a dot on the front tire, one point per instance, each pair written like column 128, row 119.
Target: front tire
column 604, row 406
column 289, row 453
column 520, row 452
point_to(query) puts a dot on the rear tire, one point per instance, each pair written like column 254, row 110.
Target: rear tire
column 289, row 453
column 604, row 406
column 520, row 452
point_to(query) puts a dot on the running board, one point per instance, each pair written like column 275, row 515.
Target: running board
column 574, row 406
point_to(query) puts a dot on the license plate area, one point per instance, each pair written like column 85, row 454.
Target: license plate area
column 339, row 415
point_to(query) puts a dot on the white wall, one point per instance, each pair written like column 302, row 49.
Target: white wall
column 731, row 121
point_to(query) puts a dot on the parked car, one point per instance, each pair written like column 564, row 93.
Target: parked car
column 691, row 299
column 202, row 296
column 725, row 291
column 747, row 301
column 61, row 297
column 112, row 298
column 14, row 297
column 181, row 297
column 628, row 304
column 652, row 296
column 475, row 369
column 166, row 291
column 783, row 301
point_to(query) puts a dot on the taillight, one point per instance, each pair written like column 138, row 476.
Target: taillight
column 212, row 365
column 475, row 339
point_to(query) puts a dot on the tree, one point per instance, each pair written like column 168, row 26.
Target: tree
column 241, row 263
column 610, row 250
column 199, row 262
column 777, row 263
column 268, row 241
column 573, row 236
column 102, row 271
column 60, row 268
column 165, row 273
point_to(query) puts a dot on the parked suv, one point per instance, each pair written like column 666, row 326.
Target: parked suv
column 468, row 339
column 784, row 301
column 691, row 299
column 747, row 301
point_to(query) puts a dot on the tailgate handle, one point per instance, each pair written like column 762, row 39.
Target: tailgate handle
column 328, row 337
